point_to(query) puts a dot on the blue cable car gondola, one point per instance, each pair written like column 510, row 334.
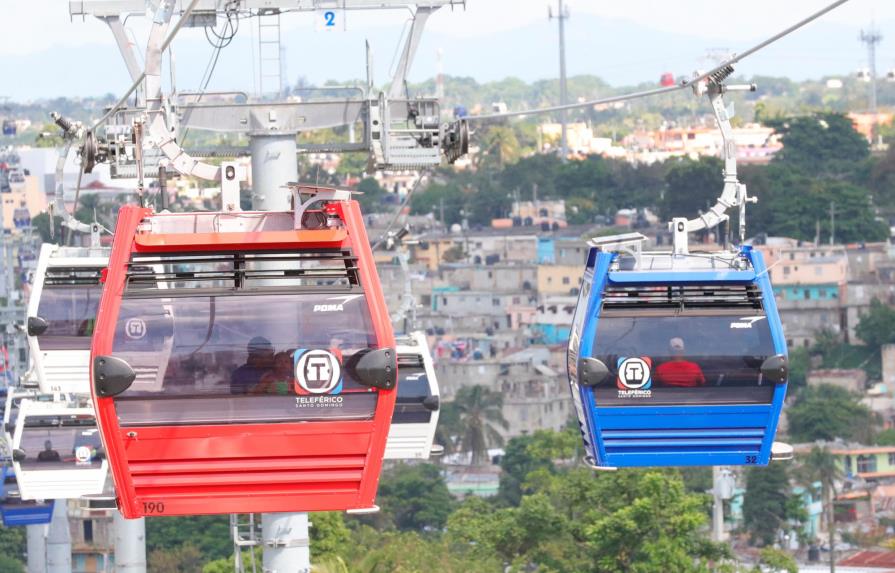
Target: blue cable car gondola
column 678, row 358
column 14, row 511
column 684, row 365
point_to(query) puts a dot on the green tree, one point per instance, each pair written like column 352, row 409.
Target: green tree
column 693, row 187
column 877, row 326
column 886, row 437
column 822, row 143
column 448, row 427
column 766, row 502
column 499, row 146
column 438, row 198
column 411, row 552
column 185, row 557
column 41, row 223
column 12, row 542
column 481, row 415
column 225, row 564
column 373, row 195
column 329, row 534
column 10, row 565
column 525, row 455
column 799, row 364
column 49, row 136
column 821, row 465
column 208, row 534
column 828, row 412
column 646, row 521
column 414, row 497
column 772, row 560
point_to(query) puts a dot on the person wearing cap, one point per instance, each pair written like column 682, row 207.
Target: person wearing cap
column 259, row 362
column 678, row 371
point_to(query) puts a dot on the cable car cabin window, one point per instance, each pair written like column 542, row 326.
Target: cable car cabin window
column 70, row 311
column 231, row 358
column 413, row 388
column 60, row 443
column 689, row 357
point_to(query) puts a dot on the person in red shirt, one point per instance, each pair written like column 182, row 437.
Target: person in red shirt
column 678, row 371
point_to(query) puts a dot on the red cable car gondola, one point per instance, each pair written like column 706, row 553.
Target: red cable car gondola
column 244, row 362
column 667, row 80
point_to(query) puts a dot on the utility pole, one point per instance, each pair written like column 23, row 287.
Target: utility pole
column 871, row 38
column 562, row 15
column 832, row 222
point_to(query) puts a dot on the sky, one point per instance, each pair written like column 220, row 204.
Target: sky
column 44, row 53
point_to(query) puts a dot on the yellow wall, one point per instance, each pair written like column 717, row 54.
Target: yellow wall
column 559, row 279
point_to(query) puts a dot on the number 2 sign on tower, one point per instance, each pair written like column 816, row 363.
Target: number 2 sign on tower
column 330, row 20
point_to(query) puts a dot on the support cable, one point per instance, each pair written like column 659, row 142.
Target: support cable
column 687, row 83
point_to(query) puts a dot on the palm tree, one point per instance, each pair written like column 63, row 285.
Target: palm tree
column 499, row 147
column 821, row 465
column 481, row 413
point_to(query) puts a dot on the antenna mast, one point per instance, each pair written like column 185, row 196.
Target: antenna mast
column 871, row 38
column 562, row 14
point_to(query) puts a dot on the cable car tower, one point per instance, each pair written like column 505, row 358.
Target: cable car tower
column 398, row 132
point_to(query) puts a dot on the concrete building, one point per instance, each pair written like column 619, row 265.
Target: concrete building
column 453, row 375
column 481, row 303
column 536, row 397
column 571, row 252
column 26, row 195
column 559, row 279
column 497, row 277
column 852, row 379
column 810, row 283
column 553, row 321
column 92, row 539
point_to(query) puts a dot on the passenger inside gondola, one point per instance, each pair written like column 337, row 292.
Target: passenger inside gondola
column 259, row 363
column 48, row 454
column 678, row 371
column 279, row 380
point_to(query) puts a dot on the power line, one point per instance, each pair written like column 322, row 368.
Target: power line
column 683, row 84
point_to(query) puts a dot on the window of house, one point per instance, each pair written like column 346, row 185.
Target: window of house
column 495, row 302
column 866, row 464
column 490, row 275
column 792, row 256
column 88, row 531
column 818, row 271
column 807, row 294
column 785, row 271
column 892, row 458
column 566, row 280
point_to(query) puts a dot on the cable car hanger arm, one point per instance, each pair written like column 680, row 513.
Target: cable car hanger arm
column 684, row 83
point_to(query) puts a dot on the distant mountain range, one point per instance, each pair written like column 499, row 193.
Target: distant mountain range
column 619, row 51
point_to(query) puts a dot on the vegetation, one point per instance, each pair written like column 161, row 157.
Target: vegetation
column 481, row 414
column 768, row 505
column 820, row 465
column 12, row 549
column 828, row 412
column 795, row 196
column 554, row 516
